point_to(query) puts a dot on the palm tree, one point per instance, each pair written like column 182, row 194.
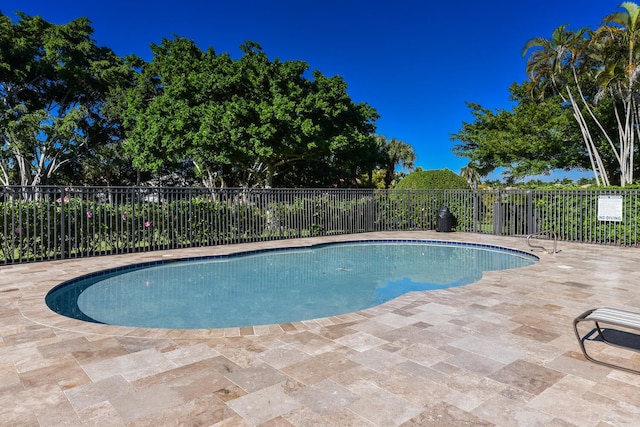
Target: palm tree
column 615, row 46
column 394, row 153
column 470, row 173
column 607, row 59
column 554, row 65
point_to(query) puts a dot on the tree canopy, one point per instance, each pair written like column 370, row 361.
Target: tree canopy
column 244, row 122
column 54, row 82
column 533, row 138
column 74, row 112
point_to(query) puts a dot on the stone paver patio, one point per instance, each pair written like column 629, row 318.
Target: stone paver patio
column 497, row 352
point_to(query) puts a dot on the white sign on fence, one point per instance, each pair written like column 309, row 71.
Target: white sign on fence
column 610, row 208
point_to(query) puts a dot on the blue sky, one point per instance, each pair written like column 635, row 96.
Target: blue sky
column 417, row 62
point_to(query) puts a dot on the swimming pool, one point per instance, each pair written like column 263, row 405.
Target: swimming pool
column 274, row 286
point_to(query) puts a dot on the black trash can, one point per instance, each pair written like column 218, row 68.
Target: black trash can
column 444, row 222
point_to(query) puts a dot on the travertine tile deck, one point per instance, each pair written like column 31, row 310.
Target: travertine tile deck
column 497, row 352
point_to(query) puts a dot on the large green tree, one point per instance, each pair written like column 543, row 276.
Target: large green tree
column 168, row 115
column 242, row 121
column 532, row 138
column 54, row 81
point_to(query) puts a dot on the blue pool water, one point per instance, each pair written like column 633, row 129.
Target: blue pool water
column 275, row 286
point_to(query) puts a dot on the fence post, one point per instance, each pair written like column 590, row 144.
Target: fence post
column 498, row 219
column 63, row 232
column 530, row 214
column 476, row 214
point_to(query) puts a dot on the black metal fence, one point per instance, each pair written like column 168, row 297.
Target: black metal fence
column 48, row 223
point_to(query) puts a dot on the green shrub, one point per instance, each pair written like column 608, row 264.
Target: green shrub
column 432, row 180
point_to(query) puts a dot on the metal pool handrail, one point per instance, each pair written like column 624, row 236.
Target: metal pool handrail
column 536, row 235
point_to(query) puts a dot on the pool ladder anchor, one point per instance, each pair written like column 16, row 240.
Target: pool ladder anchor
column 543, row 233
